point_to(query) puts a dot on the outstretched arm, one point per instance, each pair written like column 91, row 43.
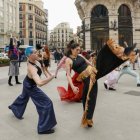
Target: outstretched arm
column 87, row 61
column 61, row 63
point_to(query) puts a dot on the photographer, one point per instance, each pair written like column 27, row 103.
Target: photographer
column 13, row 55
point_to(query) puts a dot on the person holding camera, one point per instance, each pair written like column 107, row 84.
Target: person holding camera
column 13, row 55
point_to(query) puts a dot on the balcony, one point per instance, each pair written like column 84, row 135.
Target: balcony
column 30, row 18
column 30, row 27
column 30, row 36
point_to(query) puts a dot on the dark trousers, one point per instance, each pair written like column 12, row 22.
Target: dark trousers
column 43, row 105
column 93, row 96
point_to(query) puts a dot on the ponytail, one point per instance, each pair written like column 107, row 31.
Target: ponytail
column 71, row 45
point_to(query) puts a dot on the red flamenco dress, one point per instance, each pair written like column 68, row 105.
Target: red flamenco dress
column 68, row 95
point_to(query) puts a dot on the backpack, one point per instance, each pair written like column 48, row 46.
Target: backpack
column 12, row 55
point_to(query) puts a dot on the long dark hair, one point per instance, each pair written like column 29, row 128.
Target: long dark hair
column 71, row 45
column 46, row 49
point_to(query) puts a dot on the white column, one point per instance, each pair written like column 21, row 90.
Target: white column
column 87, row 33
column 136, row 28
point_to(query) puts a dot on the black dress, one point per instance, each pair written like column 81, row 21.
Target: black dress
column 79, row 65
column 106, row 62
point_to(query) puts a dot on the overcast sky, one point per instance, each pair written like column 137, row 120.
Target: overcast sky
column 62, row 11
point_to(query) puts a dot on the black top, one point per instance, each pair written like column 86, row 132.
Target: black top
column 79, row 64
column 39, row 72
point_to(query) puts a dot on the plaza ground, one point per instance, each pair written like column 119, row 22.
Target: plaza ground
column 116, row 117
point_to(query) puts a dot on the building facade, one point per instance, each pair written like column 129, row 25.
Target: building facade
column 33, row 22
column 117, row 19
column 61, row 35
column 9, row 21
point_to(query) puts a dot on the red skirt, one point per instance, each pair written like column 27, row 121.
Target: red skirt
column 68, row 95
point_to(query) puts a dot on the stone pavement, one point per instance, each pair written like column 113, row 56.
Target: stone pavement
column 116, row 117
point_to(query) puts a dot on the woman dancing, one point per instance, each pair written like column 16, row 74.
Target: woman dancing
column 42, row 102
column 111, row 56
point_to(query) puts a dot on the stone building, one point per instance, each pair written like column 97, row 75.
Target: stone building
column 33, row 19
column 9, row 21
column 104, row 19
column 61, row 35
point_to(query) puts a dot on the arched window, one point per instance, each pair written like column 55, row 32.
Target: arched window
column 99, row 11
column 124, row 10
column 99, row 27
column 125, row 26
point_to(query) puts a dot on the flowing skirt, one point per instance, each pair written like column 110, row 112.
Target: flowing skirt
column 68, row 95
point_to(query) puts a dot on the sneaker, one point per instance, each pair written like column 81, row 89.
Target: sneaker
column 47, row 131
column 138, row 85
column 110, row 88
column 105, row 85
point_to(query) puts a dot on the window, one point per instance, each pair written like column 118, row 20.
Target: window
column 22, row 42
column 30, row 25
column 99, row 11
column 30, row 34
column 30, row 7
column 124, row 11
column 30, row 17
column 20, row 7
column 30, row 42
column 20, row 34
column 20, row 25
column 20, row 16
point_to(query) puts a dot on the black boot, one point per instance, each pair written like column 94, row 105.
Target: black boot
column 9, row 81
column 17, row 82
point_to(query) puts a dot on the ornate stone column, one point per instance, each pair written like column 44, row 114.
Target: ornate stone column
column 87, row 33
column 136, row 23
column 113, row 23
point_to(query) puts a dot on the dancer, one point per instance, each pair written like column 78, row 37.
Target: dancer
column 111, row 80
column 110, row 56
column 46, row 58
column 126, row 69
column 42, row 102
column 69, row 95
